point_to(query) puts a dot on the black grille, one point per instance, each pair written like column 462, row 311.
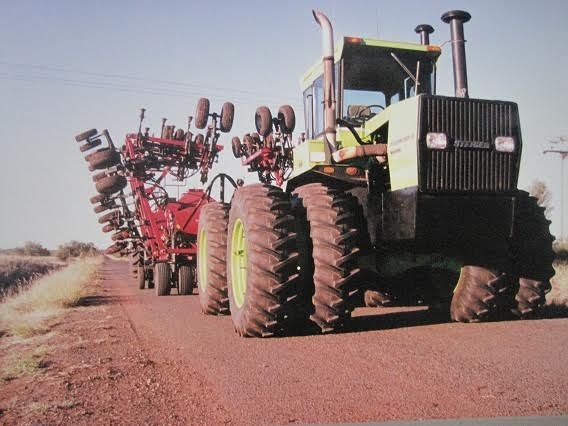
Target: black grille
column 470, row 169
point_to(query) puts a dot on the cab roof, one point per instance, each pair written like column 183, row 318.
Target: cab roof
column 347, row 45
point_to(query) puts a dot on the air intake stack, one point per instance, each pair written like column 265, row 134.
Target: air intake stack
column 424, row 30
column 456, row 19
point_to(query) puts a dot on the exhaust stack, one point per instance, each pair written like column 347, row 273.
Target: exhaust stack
column 456, row 19
column 424, row 30
column 328, row 79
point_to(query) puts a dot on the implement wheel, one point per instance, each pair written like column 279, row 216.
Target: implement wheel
column 186, row 279
column 532, row 254
column 211, row 258
column 262, row 261
column 162, row 278
column 227, row 115
column 333, row 249
column 263, row 121
column 201, row 113
column 110, row 184
column 287, row 118
column 109, row 217
column 236, row 146
column 86, row 135
column 103, row 158
column 141, row 277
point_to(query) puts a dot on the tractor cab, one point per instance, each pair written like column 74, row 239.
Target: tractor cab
column 370, row 75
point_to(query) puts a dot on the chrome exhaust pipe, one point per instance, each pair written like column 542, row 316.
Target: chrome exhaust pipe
column 328, row 79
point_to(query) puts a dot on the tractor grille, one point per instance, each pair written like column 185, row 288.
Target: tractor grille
column 470, row 163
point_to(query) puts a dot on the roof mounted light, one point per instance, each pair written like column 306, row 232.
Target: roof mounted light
column 354, row 40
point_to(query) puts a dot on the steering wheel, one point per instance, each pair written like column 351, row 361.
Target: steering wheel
column 368, row 107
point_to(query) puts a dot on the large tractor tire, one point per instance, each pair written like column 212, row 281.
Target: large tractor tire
column 212, row 258
column 262, row 262
column 141, row 277
column 227, row 115
column 532, row 255
column 186, row 280
column 480, row 295
column 162, row 278
column 201, row 113
column 110, row 184
column 103, row 158
column 335, row 236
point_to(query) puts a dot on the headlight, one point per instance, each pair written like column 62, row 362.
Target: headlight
column 505, row 144
column 436, row 140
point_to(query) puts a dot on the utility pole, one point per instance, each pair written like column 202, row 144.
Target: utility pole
column 560, row 146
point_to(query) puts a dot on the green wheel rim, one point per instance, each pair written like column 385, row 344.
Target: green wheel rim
column 202, row 258
column 239, row 263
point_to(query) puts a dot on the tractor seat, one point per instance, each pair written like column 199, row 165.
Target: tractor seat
column 355, row 110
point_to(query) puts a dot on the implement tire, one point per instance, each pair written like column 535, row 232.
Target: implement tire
column 103, row 158
column 86, row 135
column 141, row 277
column 201, row 113
column 162, row 278
column 480, row 295
column 263, row 121
column 110, row 217
column 227, row 115
column 532, row 256
column 212, row 258
column 186, row 280
column 287, row 118
column 110, row 184
column 262, row 261
column 334, row 245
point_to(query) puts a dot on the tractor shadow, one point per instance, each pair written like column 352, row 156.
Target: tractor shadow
column 393, row 319
column 376, row 319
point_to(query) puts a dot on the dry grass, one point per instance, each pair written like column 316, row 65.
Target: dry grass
column 559, row 294
column 27, row 313
column 18, row 270
column 25, row 364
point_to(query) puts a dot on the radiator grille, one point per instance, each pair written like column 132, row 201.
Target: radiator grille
column 469, row 169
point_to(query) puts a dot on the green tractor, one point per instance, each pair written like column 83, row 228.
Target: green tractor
column 396, row 195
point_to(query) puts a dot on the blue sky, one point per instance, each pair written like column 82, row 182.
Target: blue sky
column 67, row 66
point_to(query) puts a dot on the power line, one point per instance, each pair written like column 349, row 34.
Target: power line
column 139, row 79
column 143, row 91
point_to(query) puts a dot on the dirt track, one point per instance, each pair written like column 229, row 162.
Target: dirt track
column 395, row 364
column 398, row 365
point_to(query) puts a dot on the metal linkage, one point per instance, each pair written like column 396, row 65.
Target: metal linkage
column 269, row 150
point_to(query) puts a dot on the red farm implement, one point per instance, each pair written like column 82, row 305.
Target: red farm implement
column 157, row 230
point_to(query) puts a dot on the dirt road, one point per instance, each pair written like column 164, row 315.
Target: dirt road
column 132, row 357
column 394, row 364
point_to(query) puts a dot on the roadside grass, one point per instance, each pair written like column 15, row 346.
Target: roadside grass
column 27, row 311
column 25, row 364
column 18, row 271
column 557, row 299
